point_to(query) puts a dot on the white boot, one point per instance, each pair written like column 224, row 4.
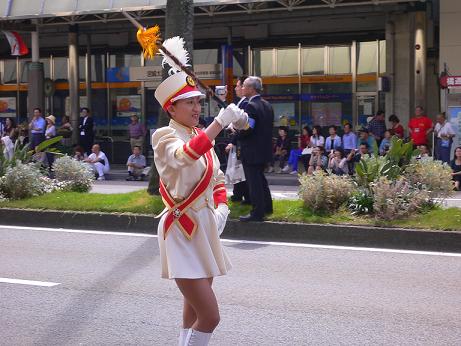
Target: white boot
column 196, row 338
column 182, row 336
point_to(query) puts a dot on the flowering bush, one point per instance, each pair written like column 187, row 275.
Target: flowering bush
column 322, row 192
column 77, row 175
column 397, row 199
column 432, row 176
column 22, row 181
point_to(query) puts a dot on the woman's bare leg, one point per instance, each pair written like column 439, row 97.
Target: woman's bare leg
column 199, row 295
column 189, row 316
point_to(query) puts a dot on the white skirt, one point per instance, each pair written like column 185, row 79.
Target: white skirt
column 200, row 257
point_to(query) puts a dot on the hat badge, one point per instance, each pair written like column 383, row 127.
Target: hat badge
column 190, row 81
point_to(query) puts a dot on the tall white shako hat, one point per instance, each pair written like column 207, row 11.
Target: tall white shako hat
column 178, row 85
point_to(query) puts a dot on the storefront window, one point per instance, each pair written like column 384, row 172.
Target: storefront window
column 60, row 69
column 366, row 57
column 82, row 68
column 263, row 62
column 238, row 61
column 9, row 73
column 287, row 62
column 23, row 71
column 205, row 56
column 339, row 60
column 124, row 60
column 382, row 56
column 46, row 67
column 313, row 60
column 98, row 66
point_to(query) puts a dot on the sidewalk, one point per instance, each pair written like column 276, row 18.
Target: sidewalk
column 119, row 173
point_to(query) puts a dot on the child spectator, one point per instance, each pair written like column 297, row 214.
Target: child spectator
column 282, row 148
column 318, row 160
column 397, row 128
column 455, row 165
column 295, row 154
column 338, row 163
column 333, row 140
column 385, row 143
column 136, row 164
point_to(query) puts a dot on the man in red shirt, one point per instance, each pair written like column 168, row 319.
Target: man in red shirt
column 420, row 126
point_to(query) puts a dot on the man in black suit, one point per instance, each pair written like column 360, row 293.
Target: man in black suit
column 256, row 148
column 86, row 130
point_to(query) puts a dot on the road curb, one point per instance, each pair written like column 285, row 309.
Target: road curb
column 268, row 231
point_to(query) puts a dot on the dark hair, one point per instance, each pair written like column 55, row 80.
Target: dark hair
column 332, row 127
column 320, row 147
column 308, row 130
column 137, row 146
column 79, row 148
column 348, row 124
column 394, row 119
column 456, row 149
column 365, row 144
column 420, row 107
column 341, row 151
column 284, row 128
column 380, row 112
column 319, row 129
column 64, row 118
column 86, row 109
column 13, row 122
column 242, row 78
column 38, row 109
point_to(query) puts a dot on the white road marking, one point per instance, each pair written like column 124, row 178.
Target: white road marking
column 268, row 243
column 28, row 282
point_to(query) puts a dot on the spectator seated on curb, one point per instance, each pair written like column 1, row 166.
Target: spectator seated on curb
column 338, row 163
column 296, row 154
column 318, row 160
column 423, row 151
column 385, row 143
column 455, row 165
column 136, row 164
column 79, row 153
column 355, row 156
column 282, row 149
column 99, row 162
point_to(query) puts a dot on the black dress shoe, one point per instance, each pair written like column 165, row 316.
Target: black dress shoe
column 249, row 217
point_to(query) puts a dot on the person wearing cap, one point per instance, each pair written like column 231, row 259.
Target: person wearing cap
column 365, row 138
column 193, row 191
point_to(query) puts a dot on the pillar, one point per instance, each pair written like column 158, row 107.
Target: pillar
column 88, row 71
column 73, row 78
column 35, row 78
column 420, row 59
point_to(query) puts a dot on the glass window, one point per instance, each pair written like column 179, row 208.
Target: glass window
column 157, row 61
column 205, row 56
column 366, row 57
column 124, row 60
column 98, row 67
column 382, row 56
column 23, row 70
column 238, row 61
column 82, row 68
column 287, row 62
column 9, row 74
column 60, row 69
column 340, row 60
column 313, row 60
column 263, row 63
column 46, row 67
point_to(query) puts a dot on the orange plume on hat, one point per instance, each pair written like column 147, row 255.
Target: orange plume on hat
column 148, row 39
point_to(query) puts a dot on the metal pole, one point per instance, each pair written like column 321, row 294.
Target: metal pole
column 74, row 82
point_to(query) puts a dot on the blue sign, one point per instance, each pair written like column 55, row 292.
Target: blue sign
column 118, row 74
column 325, row 97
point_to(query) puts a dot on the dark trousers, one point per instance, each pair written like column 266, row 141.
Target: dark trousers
column 241, row 191
column 86, row 142
column 442, row 153
column 36, row 139
column 260, row 194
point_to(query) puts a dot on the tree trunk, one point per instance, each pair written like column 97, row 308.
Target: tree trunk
column 179, row 21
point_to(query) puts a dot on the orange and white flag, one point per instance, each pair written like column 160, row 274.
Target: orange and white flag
column 18, row 47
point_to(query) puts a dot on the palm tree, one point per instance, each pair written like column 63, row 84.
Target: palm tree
column 179, row 21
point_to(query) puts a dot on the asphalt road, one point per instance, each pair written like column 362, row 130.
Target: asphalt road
column 109, row 293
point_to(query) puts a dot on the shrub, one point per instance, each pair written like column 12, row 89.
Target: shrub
column 322, row 192
column 23, row 181
column 432, row 176
column 77, row 175
column 370, row 169
column 361, row 202
column 397, row 199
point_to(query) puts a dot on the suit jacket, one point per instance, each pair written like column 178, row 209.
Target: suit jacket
column 256, row 142
column 87, row 128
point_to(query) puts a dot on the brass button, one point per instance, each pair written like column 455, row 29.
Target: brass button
column 206, row 199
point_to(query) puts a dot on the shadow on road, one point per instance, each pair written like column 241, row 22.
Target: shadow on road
column 72, row 320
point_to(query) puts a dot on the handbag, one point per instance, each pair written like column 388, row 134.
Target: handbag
column 234, row 171
column 307, row 151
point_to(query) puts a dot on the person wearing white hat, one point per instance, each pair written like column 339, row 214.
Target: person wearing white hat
column 50, row 131
column 193, row 191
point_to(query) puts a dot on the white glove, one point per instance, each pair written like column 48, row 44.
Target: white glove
column 228, row 115
column 242, row 122
column 221, row 214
